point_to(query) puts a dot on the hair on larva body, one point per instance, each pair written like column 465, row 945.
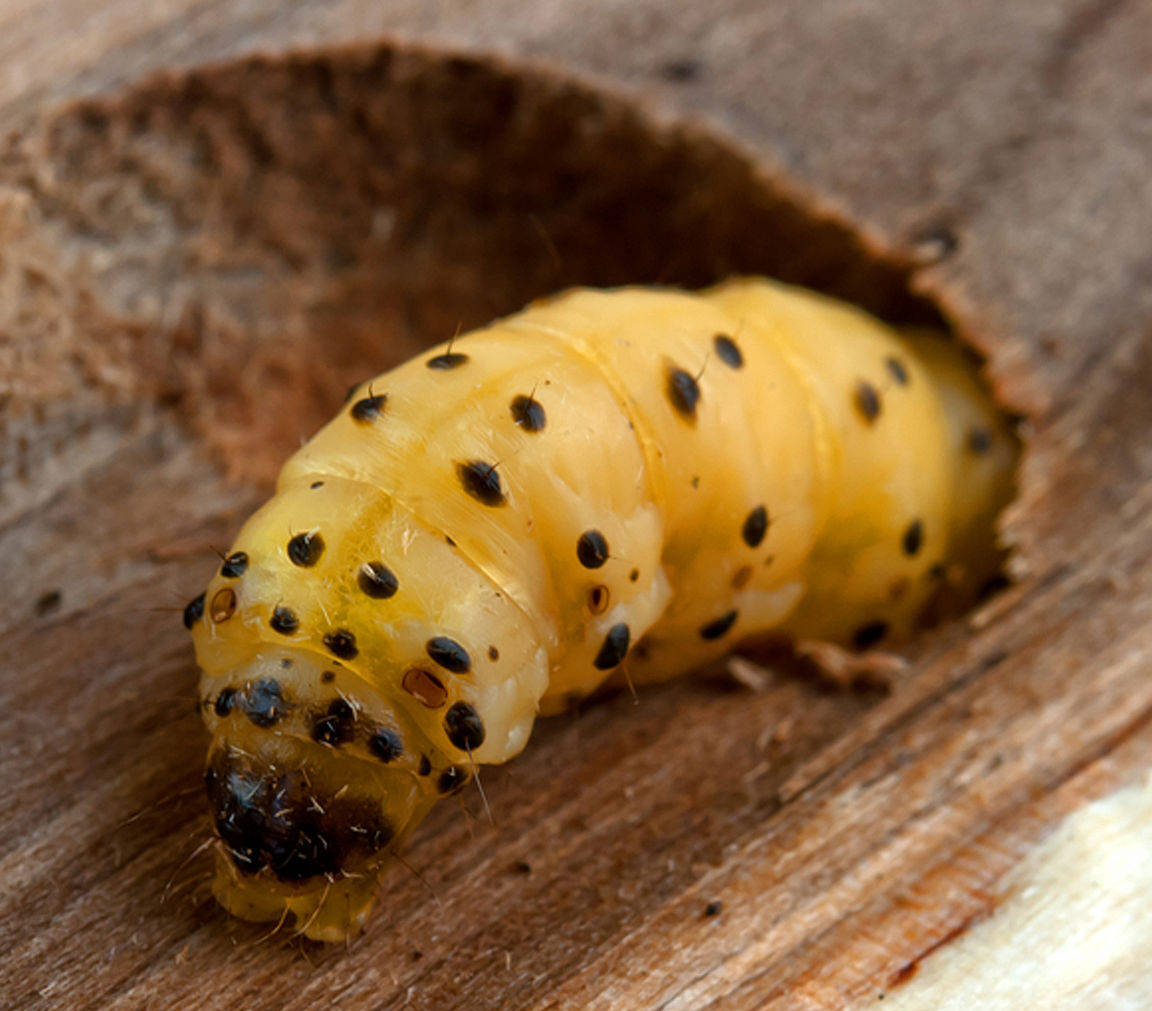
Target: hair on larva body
column 489, row 530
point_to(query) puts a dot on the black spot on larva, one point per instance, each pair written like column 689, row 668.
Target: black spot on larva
column 328, row 677
column 867, row 400
column 614, row 648
column 223, row 605
column 451, row 779
column 425, row 766
column 592, row 549
column 869, row 634
column 482, row 482
column 913, row 538
column 599, row 597
column 719, row 627
column 376, row 580
column 493, row 654
column 368, row 409
column 225, row 701
column 528, row 413
column 449, row 654
column 386, row 745
column 741, row 577
column 342, row 643
column 316, row 484
column 755, row 527
column 728, row 351
column 446, row 361
column 713, row 908
column 284, row 620
column 276, row 820
column 683, row 392
column 448, row 540
column 194, row 611
column 463, row 726
column 263, row 702
column 937, row 571
column 897, row 369
column 979, row 440
column 634, row 575
column 336, row 726
column 305, row 549
column 285, row 662
column 235, row 565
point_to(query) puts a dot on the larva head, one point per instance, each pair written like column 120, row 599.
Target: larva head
column 350, row 680
column 308, row 794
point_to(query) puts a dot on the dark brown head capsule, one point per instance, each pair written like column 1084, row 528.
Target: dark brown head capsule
column 274, row 819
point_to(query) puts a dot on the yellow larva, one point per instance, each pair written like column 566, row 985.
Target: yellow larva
column 491, row 529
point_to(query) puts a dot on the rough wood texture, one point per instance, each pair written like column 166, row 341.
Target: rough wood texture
column 187, row 279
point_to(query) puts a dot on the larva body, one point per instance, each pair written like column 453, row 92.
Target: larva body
column 639, row 477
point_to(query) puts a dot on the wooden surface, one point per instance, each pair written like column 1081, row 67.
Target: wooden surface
column 189, row 274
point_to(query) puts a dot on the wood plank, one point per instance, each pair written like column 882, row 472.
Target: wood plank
column 1000, row 150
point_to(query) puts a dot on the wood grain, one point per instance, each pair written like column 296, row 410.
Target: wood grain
column 189, row 275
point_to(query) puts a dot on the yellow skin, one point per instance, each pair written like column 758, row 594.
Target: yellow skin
column 491, row 529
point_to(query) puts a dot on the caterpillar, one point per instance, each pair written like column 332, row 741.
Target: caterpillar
column 611, row 481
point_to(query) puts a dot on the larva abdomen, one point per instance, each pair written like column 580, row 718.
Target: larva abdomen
column 492, row 528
